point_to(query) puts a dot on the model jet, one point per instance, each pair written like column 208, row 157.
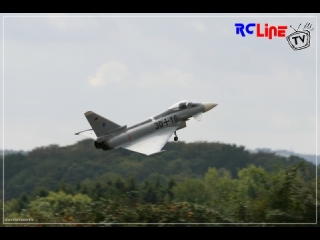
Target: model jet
column 147, row 137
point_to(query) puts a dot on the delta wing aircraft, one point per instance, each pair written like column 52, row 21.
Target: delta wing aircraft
column 147, row 137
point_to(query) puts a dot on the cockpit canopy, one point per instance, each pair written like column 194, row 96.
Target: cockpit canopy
column 183, row 104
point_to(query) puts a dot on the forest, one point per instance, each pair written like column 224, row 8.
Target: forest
column 191, row 184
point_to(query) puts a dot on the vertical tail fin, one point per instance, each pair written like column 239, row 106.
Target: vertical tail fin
column 99, row 124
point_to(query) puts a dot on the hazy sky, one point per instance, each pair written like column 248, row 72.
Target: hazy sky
column 129, row 67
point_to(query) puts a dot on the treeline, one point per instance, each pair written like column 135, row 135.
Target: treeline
column 287, row 195
column 189, row 184
column 81, row 162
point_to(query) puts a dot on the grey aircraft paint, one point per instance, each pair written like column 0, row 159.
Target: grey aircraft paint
column 147, row 137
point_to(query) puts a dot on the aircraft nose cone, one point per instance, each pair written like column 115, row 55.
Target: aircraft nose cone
column 208, row 106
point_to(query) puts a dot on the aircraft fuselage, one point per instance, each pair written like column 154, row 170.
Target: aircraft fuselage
column 147, row 137
column 166, row 119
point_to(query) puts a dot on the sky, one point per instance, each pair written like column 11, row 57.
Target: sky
column 129, row 67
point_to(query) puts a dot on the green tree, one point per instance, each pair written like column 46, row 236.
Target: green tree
column 149, row 194
column 292, row 198
column 23, row 201
column 192, row 191
column 170, row 186
column 41, row 192
column 222, row 190
column 97, row 191
column 59, row 207
column 253, row 192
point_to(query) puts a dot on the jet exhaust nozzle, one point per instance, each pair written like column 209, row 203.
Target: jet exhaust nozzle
column 97, row 145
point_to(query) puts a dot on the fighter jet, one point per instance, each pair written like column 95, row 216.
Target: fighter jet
column 147, row 137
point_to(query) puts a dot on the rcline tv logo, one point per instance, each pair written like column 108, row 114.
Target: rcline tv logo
column 268, row 32
column 300, row 39
column 297, row 40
